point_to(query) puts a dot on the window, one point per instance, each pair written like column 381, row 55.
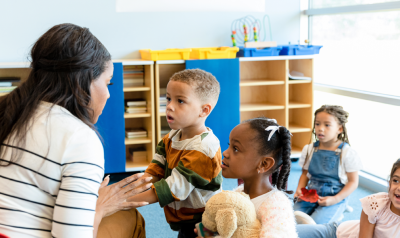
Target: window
column 361, row 51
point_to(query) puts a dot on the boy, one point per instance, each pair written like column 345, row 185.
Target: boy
column 186, row 168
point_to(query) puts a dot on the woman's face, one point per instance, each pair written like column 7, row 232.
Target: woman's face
column 99, row 91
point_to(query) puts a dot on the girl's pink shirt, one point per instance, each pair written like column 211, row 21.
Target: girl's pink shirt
column 377, row 208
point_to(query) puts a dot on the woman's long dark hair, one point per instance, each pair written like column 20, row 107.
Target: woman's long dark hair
column 65, row 61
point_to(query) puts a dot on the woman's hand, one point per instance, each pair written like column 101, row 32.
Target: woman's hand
column 113, row 198
column 328, row 201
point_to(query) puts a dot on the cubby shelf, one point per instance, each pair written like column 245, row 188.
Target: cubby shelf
column 136, row 166
column 294, row 128
column 3, row 94
column 136, row 115
column 245, row 107
column 259, row 82
column 298, row 105
column 299, row 81
column 265, row 90
column 137, row 141
column 162, row 114
column 136, row 89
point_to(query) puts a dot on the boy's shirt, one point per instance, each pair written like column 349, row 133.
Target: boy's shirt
column 190, row 173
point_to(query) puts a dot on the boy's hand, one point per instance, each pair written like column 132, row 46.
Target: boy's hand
column 327, row 201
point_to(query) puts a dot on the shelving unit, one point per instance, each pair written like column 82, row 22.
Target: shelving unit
column 141, row 120
column 163, row 71
column 14, row 69
column 265, row 90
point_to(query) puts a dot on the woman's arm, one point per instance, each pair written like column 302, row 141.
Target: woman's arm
column 351, row 185
column 303, row 181
column 113, row 198
column 366, row 228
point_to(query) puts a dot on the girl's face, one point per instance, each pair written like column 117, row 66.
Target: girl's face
column 99, row 91
column 327, row 127
column 394, row 192
column 241, row 159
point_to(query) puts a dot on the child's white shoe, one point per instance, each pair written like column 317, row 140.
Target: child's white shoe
column 303, row 218
column 348, row 209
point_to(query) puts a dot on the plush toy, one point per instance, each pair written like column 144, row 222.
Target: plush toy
column 231, row 214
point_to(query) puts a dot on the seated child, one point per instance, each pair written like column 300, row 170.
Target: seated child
column 258, row 148
column 380, row 216
column 186, row 168
column 330, row 166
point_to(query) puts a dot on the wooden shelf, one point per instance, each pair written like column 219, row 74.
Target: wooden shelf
column 137, row 141
column 281, row 57
column 260, row 82
column 138, row 166
column 137, row 115
column 3, row 94
column 294, row 128
column 162, row 114
column 298, row 105
column 136, row 89
column 245, row 107
column 299, row 81
column 296, row 152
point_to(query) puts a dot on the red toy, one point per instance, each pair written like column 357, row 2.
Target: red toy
column 309, row 195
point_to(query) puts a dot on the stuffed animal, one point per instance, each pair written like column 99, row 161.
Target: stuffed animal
column 231, row 214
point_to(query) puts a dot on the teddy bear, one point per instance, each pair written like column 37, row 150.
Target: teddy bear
column 231, row 214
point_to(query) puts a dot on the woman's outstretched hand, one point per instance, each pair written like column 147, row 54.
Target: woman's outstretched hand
column 113, row 198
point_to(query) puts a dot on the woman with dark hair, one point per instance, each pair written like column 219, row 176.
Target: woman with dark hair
column 51, row 157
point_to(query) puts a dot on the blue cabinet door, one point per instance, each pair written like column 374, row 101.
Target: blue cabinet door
column 226, row 114
column 111, row 125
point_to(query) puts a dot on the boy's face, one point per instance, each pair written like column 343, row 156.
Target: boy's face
column 183, row 105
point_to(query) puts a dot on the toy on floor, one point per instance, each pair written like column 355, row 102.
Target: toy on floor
column 231, row 214
column 309, row 195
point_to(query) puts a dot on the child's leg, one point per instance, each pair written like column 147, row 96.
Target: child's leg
column 305, row 207
column 323, row 215
column 317, row 231
column 187, row 231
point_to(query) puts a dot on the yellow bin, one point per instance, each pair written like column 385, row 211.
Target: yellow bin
column 214, row 53
column 168, row 54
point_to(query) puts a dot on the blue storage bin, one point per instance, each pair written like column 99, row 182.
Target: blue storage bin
column 300, row 49
column 254, row 52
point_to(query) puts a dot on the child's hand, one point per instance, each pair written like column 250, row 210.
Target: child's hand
column 327, row 201
column 298, row 194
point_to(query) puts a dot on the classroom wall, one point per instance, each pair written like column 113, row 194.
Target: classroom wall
column 23, row 21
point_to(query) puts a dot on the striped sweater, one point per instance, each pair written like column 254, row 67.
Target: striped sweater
column 52, row 189
column 190, row 173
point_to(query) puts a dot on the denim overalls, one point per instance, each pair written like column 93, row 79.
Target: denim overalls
column 324, row 171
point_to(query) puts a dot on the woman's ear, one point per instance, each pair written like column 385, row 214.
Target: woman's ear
column 266, row 164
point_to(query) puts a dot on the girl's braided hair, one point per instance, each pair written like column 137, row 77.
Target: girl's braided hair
column 342, row 118
column 279, row 146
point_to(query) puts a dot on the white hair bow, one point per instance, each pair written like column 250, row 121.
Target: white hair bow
column 273, row 129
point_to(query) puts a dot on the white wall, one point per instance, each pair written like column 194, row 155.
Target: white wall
column 22, row 22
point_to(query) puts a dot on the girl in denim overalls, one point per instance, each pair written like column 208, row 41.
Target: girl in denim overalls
column 330, row 166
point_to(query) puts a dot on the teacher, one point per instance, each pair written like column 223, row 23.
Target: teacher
column 51, row 156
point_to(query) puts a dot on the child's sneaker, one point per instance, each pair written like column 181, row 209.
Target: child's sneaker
column 348, row 209
column 303, row 218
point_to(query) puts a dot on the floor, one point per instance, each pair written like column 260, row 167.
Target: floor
column 156, row 226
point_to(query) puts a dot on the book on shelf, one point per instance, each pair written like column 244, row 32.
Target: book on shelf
column 5, row 84
column 135, row 102
column 129, row 67
column 7, row 89
column 137, row 154
column 295, row 75
column 163, row 109
column 135, row 109
column 133, row 82
column 135, row 133
column 163, row 92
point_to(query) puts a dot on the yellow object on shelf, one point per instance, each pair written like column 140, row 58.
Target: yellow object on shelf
column 168, row 54
column 214, row 53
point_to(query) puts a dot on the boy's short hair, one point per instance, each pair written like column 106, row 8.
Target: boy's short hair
column 204, row 84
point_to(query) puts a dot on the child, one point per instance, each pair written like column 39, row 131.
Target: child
column 186, row 168
column 380, row 216
column 330, row 165
column 258, row 148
